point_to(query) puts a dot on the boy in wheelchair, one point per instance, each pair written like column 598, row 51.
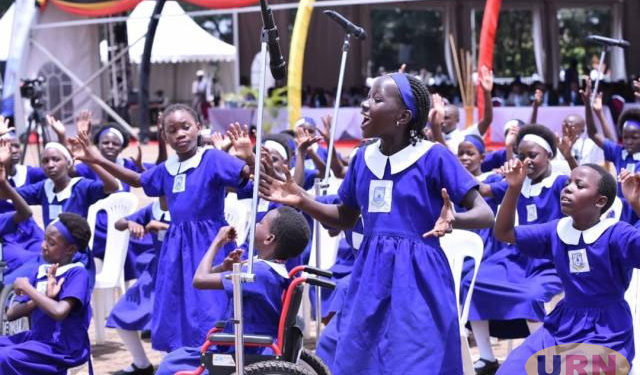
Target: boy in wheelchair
column 282, row 234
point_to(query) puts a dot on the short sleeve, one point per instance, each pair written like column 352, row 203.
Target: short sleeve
column 152, row 180
column 611, row 150
column 627, row 239
column 94, row 190
column 535, row 240
column 83, row 170
column 493, row 160
column 347, row 190
column 498, row 189
column 246, row 191
column 7, row 225
column 142, row 216
column 76, row 281
column 310, row 176
column 35, row 174
column 32, row 194
column 225, row 168
column 448, row 173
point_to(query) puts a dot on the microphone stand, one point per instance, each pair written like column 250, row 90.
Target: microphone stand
column 237, row 276
column 603, row 54
column 322, row 186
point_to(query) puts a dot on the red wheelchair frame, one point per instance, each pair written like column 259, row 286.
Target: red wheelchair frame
column 291, row 297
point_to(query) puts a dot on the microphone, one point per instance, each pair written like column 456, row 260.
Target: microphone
column 348, row 26
column 277, row 64
column 604, row 41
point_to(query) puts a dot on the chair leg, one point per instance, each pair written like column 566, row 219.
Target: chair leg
column 467, row 362
column 99, row 314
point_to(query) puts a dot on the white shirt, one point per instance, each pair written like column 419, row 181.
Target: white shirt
column 455, row 137
column 585, row 151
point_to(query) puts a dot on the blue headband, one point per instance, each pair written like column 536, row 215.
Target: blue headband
column 476, row 141
column 62, row 229
column 631, row 123
column 406, row 93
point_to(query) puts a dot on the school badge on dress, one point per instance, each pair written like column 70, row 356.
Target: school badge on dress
column 578, row 261
column 631, row 167
column 380, row 195
column 179, row 183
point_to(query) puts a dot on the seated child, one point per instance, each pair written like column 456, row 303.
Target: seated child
column 57, row 298
column 594, row 259
column 282, row 234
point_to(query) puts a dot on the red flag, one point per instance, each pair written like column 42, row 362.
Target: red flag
column 487, row 43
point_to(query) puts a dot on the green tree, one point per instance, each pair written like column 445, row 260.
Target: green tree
column 574, row 24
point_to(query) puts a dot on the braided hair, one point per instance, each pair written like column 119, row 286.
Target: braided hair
column 423, row 106
column 77, row 227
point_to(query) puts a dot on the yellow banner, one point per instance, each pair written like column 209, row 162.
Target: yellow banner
column 296, row 59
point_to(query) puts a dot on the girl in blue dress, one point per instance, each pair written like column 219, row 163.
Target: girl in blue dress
column 401, row 288
column 625, row 156
column 282, row 234
column 193, row 182
column 57, row 298
column 594, row 259
column 521, row 284
column 133, row 311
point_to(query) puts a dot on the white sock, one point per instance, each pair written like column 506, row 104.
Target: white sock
column 533, row 326
column 132, row 341
column 480, row 330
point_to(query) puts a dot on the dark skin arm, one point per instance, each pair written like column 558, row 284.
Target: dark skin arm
column 208, row 277
column 515, row 173
column 486, row 82
column 597, row 108
column 23, row 211
column 592, row 131
column 537, row 102
column 58, row 310
column 436, row 118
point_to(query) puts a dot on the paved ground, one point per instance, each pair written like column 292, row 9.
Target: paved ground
column 111, row 356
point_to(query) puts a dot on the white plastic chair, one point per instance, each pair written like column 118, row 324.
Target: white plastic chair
column 111, row 276
column 458, row 245
column 237, row 213
column 632, row 296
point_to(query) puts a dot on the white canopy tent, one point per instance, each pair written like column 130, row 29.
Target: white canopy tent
column 6, row 23
column 180, row 48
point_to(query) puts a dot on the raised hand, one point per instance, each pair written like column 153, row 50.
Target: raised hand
column 565, row 143
column 444, row 224
column 286, row 192
column 436, row 113
column 53, row 285
column 239, row 136
column 597, row 104
column 538, row 97
column 636, row 88
column 20, row 285
column 304, row 140
column 512, row 136
column 4, row 125
column 135, row 230
column 402, row 68
column 325, row 131
column 630, row 184
column 57, row 126
column 5, row 154
column 225, row 235
column 514, row 172
column 486, row 79
column 220, row 142
column 138, row 159
column 234, row 257
column 83, row 122
column 82, row 149
column 585, row 93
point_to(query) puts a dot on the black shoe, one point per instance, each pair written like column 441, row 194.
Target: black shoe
column 145, row 335
column 137, row 371
column 484, row 367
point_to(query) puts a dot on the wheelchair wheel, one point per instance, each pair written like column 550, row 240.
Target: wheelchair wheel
column 275, row 368
column 8, row 299
column 311, row 360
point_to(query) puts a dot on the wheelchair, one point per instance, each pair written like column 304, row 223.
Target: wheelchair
column 289, row 358
column 7, row 299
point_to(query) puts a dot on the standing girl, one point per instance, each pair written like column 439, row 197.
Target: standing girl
column 193, row 182
column 401, row 288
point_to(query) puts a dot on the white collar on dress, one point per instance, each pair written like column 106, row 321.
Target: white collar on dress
column 43, row 269
column 376, row 161
column 174, row 165
column 625, row 153
column 484, row 176
column 157, row 212
column 62, row 195
column 280, row 268
column 571, row 236
column 529, row 190
column 21, row 175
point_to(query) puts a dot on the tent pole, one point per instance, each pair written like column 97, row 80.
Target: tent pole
column 145, row 65
column 236, row 43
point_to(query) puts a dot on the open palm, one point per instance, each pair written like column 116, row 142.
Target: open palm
column 285, row 192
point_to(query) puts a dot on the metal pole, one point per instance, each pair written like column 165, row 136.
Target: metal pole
column 236, row 279
column 256, row 169
column 320, row 189
column 603, row 54
column 236, row 43
column 336, row 107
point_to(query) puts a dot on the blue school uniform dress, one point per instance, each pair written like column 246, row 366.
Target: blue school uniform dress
column 261, row 304
column 195, row 191
column 595, row 266
column 23, row 243
column 51, row 347
column 401, row 288
column 621, row 158
column 522, row 284
column 137, row 247
column 134, row 310
column 493, row 160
